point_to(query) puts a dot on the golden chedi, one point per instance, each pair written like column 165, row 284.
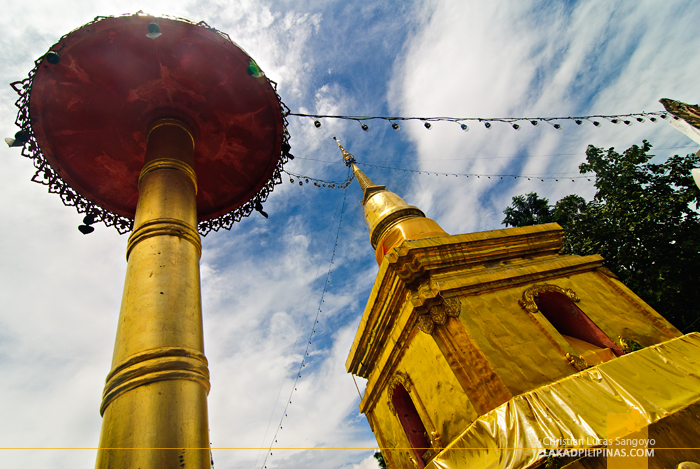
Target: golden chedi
column 493, row 350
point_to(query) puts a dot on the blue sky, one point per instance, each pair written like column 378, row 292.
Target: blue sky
column 262, row 281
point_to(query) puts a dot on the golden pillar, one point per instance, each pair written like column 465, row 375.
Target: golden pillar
column 154, row 403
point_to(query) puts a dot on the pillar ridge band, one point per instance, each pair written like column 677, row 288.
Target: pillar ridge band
column 169, row 163
column 159, row 364
column 164, row 227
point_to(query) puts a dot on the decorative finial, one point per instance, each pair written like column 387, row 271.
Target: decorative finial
column 348, row 157
column 366, row 184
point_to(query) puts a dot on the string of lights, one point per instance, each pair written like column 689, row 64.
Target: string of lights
column 294, row 347
column 515, row 123
column 316, row 321
column 542, row 177
column 346, row 183
column 301, row 179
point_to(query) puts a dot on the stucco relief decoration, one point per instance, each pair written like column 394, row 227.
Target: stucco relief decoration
column 435, row 446
column 578, row 362
column 400, row 379
column 528, row 300
column 628, row 345
column 438, row 315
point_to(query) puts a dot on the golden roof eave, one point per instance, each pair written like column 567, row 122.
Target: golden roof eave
column 415, row 260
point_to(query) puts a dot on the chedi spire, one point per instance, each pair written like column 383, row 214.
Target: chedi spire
column 390, row 220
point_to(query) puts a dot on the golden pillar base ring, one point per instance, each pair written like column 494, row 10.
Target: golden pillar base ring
column 164, row 226
column 165, row 363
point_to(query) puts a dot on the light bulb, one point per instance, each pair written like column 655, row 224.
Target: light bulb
column 254, row 69
column 21, row 137
column 153, row 31
column 53, row 57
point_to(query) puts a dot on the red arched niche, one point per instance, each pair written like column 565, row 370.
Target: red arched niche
column 569, row 320
column 411, row 422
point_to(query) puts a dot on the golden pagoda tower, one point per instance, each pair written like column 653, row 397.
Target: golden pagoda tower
column 494, row 350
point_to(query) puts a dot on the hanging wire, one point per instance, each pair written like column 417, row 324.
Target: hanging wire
column 291, row 354
column 350, row 177
column 301, row 180
column 356, row 386
column 514, row 122
column 542, row 177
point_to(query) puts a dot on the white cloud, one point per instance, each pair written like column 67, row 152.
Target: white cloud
column 368, row 463
column 277, row 41
column 533, row 59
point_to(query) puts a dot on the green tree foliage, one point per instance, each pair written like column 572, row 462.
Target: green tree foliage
column 528, row 210
column 380, row 459
column 643, row 220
